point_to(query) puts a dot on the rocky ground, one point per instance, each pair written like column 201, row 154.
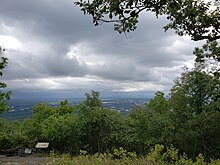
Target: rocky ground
column 30, row 160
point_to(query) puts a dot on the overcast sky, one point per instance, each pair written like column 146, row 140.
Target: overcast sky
column 55, row 50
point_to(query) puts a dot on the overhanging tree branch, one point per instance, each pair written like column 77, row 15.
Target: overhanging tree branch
column 187, row 17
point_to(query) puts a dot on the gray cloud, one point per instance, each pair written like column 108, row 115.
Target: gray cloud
column 52, row 45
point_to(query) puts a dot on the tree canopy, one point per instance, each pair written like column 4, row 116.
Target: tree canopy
column 208, row 58
column 196, row 18
column 194, row 101
column 3, row 96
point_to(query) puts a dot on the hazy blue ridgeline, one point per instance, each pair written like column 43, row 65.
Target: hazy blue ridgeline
column 21, row 109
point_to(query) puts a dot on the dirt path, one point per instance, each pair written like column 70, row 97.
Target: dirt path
column 30, row 160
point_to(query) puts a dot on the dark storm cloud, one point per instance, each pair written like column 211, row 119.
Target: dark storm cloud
column 123, row 71
column 35, row 66
column 58, row 20
column 65, row 67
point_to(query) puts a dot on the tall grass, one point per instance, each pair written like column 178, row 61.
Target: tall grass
column 158, row 156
